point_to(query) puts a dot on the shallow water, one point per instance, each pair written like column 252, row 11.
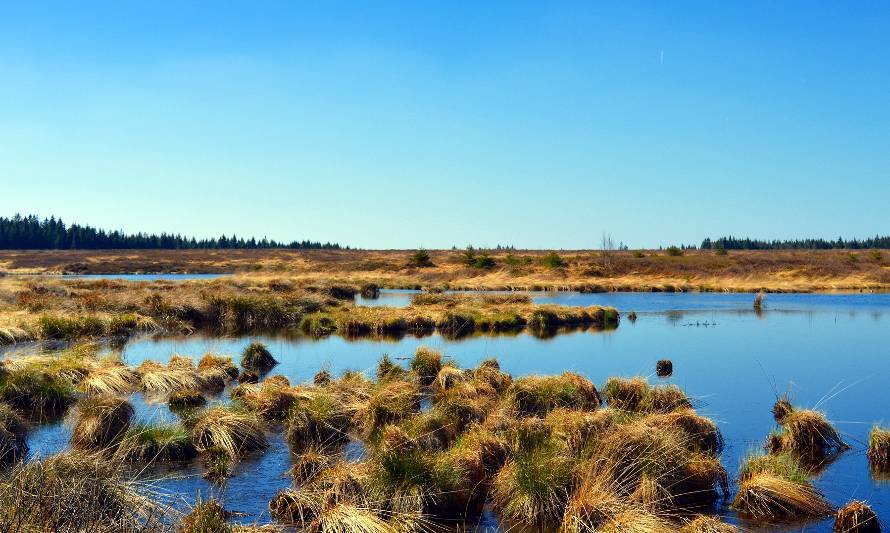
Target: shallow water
column 145, row 277
column 657, row 302
column 828, row 351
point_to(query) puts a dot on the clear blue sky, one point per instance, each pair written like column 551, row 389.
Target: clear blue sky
column 382, row 124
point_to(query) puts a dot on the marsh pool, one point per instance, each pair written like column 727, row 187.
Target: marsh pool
column 829, row 352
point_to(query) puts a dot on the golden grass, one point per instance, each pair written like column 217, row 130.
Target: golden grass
column 879, row 450
column 76, row 492
column 237, row 433
column 158, row 379
column 808, row 434
column 707, row 524
column 764, row 496
column 101, row 422
column 786, row 270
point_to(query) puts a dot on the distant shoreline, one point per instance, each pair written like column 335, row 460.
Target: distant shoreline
column 581, row 270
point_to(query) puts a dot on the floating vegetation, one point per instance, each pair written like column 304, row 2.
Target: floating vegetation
column 707, row 524
column 436, row 444
column 207, row 516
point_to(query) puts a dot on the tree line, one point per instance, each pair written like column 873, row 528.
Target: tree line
column 734, row 243
column 31, row 233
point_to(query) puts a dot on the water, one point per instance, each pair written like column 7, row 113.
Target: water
column 145, row 277
column 828, row 351
column 657, row 302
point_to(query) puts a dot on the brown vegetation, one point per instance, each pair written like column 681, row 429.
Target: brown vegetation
column 780, row 270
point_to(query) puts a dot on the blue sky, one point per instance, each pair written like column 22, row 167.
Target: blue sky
column 387, row 124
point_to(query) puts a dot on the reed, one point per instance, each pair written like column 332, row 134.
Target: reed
column 186, row 400
column 160, row 380
column 318, row 418
column 110, row 378
column 637, row 396
column 36, row 391
column 221, row 362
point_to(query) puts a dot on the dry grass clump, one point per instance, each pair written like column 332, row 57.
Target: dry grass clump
column 271, row 400
column 808, row 434
column 707, row 524
column 186, row 399
column 206, row 516
column 156, row 443
column 101, row 422
column 218, row 362
column 110, row 377
column 702, row 433
column 775, row 488
column 879, row 450
column 319, row 417
column 337, row 500
column 257, row 357
column 426, row 364
column 636, row 395
column 75, row 492
column 388, row 403
column 36, row 390
column 856, row 517
column 534, row 484
column 162, row 380
column 659, row 467
column 13, row 436
column 538, row 395
column 236, row 432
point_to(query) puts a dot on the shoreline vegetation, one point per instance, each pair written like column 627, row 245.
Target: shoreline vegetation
column 67, row 310
column 439, row 444
column 668, row 270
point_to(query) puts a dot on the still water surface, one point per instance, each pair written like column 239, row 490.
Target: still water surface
column 828, row 351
